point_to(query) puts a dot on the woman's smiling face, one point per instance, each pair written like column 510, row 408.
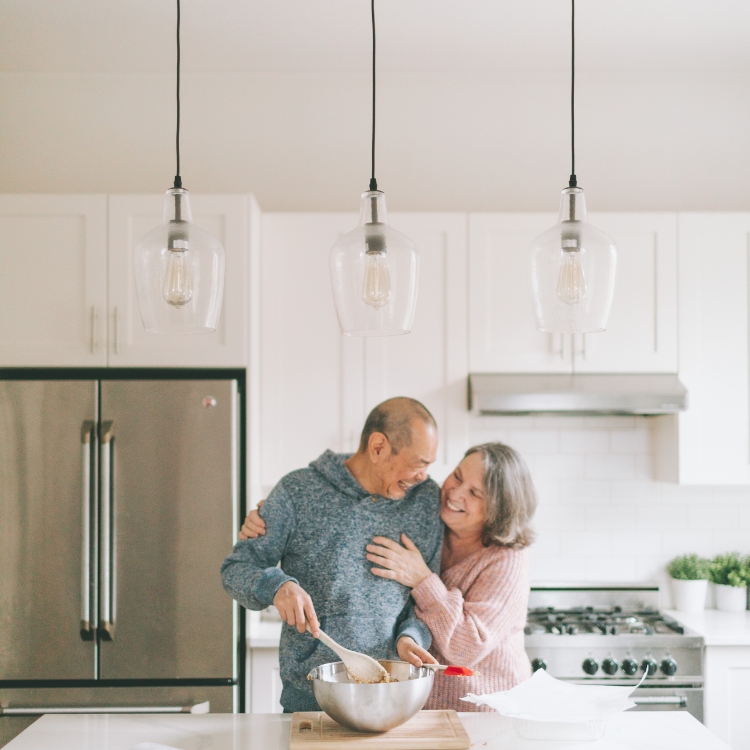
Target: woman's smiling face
column 462, row 506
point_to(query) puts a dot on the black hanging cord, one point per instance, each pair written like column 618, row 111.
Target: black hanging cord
column 572, row 182
column 178, row 179
column 373, row 181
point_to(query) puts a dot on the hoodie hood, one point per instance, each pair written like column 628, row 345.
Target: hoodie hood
column 331, row 467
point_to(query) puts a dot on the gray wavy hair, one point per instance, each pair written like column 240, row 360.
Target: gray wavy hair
column 509, row 496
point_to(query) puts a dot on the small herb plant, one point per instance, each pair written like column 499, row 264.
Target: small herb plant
column 689, row 568
column 730, row 570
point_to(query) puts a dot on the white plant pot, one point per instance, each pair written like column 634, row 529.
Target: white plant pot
column 689, row 596
column 731, row 598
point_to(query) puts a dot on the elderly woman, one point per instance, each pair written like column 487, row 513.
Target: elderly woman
column 476, row 608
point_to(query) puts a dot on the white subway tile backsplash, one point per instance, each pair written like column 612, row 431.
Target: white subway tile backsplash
column 586, row 491
column 619, row 466
column 584, row 441
column 558, row 466
column 711, row 517
column 610, row 569
column 637, row 440
column 610, row 518
column 635, row 491
column 601, row 515
column 668, row 517
column 560, row 518
column 561, row 568
column 636, row 543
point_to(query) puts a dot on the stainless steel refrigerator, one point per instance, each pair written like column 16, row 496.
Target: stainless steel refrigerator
column 119, row 498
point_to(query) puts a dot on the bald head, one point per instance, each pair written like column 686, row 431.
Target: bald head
column 395, row 418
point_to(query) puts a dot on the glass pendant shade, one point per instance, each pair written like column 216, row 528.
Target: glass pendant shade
column 179, row 272
column 573, row 271
column 374, row 271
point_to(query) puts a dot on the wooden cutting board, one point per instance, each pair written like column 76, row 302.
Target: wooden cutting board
column 428, row 730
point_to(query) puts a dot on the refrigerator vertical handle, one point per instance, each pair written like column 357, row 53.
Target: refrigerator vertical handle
column 106, row 556
column 88, row 628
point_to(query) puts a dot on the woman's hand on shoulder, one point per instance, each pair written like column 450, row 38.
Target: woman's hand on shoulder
column 253, row 526
column 403, row 564
column 409, row 651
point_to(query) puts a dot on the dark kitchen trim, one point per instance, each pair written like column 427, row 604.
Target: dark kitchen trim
column 123, row 373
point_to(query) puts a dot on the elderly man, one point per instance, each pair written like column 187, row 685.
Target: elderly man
column 319, row 521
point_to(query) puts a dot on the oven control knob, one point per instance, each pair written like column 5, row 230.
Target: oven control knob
column 629, row 666
column 610, row 666
column 649, row 666
column 590, row 666
column 537, row 664
column 668, row 666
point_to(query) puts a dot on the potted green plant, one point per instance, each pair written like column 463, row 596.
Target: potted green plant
column 730, row 575
column 689, row 574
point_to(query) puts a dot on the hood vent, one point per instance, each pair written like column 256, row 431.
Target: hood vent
column 592, row 395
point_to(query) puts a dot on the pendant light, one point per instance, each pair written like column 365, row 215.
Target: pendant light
column 572, row 264
column 374, row 268
column 179, row 268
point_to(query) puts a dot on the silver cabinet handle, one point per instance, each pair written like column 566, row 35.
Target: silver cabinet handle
column 106, row 556
column 661, row 700
column 198, row 708
column 88, row 624
column 94, row 341
column 116, row 331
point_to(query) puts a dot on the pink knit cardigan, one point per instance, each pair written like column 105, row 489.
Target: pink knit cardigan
column 476, row 611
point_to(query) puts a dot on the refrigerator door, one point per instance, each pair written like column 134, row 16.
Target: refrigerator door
column 168, row 506
column 47, row 566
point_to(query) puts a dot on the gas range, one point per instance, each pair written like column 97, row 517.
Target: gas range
column 613, row 634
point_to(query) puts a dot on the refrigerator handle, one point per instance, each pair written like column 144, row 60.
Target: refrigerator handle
column 88, row 628
column 106, row 556
column 197, row 708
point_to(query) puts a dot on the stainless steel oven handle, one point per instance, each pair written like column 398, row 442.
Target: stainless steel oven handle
column 198, row 708
column 87, row 627
column 661, row 700
column 106, row 592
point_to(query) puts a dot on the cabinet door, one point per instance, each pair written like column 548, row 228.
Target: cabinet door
column 714, row 278
column 502, row 326
column 227, row 218
column 641, row 334
column 53, row 288
column 727, row 694
column 318, row 385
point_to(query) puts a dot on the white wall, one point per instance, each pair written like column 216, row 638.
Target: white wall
column 446, row 141
column 601, row 517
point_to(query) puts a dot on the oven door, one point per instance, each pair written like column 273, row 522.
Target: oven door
column 670, row 698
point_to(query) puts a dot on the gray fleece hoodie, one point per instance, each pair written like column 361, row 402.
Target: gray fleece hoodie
column 318, row 521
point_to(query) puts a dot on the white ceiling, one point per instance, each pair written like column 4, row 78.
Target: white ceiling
column 137, row 36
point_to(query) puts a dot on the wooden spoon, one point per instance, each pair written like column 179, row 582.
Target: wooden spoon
column 361, row 668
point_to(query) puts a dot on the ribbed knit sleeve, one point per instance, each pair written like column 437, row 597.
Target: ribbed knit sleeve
column 476, row 616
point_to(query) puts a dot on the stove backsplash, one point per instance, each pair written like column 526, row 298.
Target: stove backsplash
column 601, row 515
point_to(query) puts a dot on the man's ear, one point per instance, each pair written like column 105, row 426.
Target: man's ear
column 378, row 447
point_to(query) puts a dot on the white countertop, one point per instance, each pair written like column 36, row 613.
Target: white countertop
column 264, row 635
column 717, row 628
column 661, row 730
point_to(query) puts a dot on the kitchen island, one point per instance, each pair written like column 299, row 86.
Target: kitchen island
column 488, row 731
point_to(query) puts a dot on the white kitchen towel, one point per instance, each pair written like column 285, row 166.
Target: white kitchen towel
column 543, row 698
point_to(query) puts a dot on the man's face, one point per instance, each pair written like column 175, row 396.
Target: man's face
column 398, row 472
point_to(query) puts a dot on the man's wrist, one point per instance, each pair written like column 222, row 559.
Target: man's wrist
column 271, row 580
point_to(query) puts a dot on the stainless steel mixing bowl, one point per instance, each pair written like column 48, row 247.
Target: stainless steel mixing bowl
column 372, row 708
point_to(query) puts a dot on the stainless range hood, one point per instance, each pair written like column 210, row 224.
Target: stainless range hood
column 575, row 394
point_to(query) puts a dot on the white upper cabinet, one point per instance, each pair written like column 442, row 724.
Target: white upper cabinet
column 53, row 285
column 318, row 385
column 502, row 326
column 226, row 217
column 642, row 332
column 711, row 440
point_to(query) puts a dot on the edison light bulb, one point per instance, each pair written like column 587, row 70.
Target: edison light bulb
column 178, row 282
column 376, row 287
column 571, row 281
